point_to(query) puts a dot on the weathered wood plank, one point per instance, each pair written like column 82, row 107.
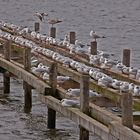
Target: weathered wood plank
column 79, row 57
column 110, row 93
column 72, row 37
column 37, row 27
column 84, row 103
column 6, row 78
column 41, row 86
column 77, row 116
column 127, row 110
column 97, row 112
column 93, row 48
column 126, row 57
column 26, row 86
column 122, row 133
column 51, row 122
column 53, row 32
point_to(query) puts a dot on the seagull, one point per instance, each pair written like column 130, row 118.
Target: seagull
column 136, row 91
column 66, row 40
column 124, row 87
column 116, row 84
column 70, row 103
column 41, row 15
column 108, row 63
column 62, row 79
column 120, row 66
column 94, row 35
column 75, row 92
column 105, row 54
column 125, row 70
column 138, row 75
column 94, row 59
column 131, row 87
column 105, row 81
column 79, row 44
column 133, row 71
column 98, row 75
column 45, row 76
column 54, row 21
column 34, row 62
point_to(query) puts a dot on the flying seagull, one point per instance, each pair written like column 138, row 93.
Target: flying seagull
column 54, row 21
column 41, row 15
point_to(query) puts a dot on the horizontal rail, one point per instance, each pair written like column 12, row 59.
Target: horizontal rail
column 112, row 94
column 77, row 116
column 87, row 124
column 26, row 76
column 78, row 57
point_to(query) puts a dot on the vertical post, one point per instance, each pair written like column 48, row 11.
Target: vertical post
column 84, row 103
column 26, row 86
column 37, row 27
column 127, row 112
column 53, row 32
column 126, row 57
column 6, row 77
column 7, row 50
column 93, row 48
column 72, row 37
column 53, row 83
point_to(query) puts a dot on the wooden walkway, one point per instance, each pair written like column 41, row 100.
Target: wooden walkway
column 90, row 116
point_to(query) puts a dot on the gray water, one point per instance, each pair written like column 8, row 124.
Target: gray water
column 118, row 20
column 17, row 125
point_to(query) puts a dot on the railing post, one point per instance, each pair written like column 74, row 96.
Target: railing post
column 127, row 109
column 37, row 27
column 53, row 83
column 84, row 103
column 26, row 86
column 93, row 48
column 6, row 75
column 72, row 37
column 53, row 32
column 126, row 57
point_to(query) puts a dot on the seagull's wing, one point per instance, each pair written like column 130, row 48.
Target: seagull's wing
column 41, row 18
column 39, row 15
column 44, row 14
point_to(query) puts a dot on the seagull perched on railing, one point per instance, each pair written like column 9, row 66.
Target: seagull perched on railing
column 94, row 35
column 41, row 15
column 70, row 103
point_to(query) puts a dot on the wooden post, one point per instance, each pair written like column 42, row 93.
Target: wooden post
column 127, row 111
column 7, row 50
column 6, row 77
column 126, row 57
column 53, row 32
column 72, row 37
column 84, row 103
column 53, row 83
column 37, row 27
column 93, row 48
column 26, row 86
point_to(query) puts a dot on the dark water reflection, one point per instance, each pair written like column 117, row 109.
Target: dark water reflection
column 15, row 124
column 118, row 20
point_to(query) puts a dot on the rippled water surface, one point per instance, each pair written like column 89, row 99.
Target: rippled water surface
column 15, row 124
column 118, row 20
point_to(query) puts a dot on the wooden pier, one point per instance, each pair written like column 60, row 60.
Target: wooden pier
column 92, row 115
